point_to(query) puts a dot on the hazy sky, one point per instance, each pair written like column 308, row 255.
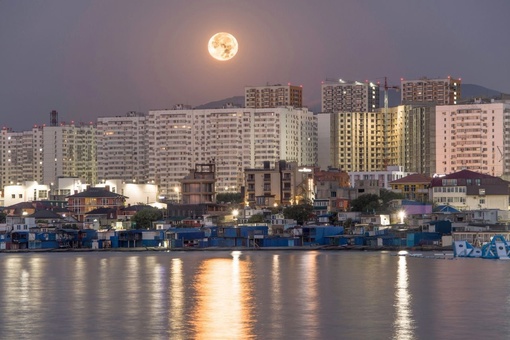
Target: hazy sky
column 91, row 58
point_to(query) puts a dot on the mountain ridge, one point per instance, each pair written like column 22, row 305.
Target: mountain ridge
column 468, row 91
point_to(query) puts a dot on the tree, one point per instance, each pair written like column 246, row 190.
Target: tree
column 146, row 216
column 366, row 203
column 231, row 197
column 301, row 212
column 3, row 217
column 387, row 195
column 258, row 218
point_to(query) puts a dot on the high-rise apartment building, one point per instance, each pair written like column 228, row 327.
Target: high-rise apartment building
column 21, row 156
column 270, row 96
column 273, row 96
column 420, row 138
column 475, row 137
column 445, row 91
column 403, row 135
column 46, row 153
column 357, row 141
column 122, row 148
column 231, row 138
column 349, row 96
column 69, row 150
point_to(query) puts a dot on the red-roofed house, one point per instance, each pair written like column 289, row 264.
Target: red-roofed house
column 469, row 190
column 413, row 187
column 93, row 198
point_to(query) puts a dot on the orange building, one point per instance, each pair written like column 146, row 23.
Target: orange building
column 93, row 198
column 413, row 187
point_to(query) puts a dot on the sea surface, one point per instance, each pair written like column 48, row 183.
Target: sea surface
column 251, row 295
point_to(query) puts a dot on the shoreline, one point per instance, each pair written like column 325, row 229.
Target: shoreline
column 215, row 249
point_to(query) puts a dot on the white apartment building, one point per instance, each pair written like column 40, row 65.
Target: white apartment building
column 122, row 148
column 384, row 178
column 273, row 96
column 232, row 138
column 445, row 91
column 475, row 137
column 349, row 96
column 69, row 151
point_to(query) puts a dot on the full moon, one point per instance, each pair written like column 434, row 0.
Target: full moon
column 223, row 46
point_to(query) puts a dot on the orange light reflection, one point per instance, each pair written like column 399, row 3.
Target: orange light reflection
column 224, row 307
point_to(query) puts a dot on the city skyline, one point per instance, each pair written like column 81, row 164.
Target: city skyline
column 92, row 58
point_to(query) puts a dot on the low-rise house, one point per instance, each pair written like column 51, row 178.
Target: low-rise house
column 93, row 198
column 469, row 190
column 413, row 187
column 96, row 218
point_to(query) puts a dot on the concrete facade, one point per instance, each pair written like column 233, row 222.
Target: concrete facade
column 349, row 96
column 445, row 91
column 473, row 137
column 232, row 139
column 270, row 96
column 122, row 148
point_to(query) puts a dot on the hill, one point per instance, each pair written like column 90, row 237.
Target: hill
column 469, row 91
column 218, row 104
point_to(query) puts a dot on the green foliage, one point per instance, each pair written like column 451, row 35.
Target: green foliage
column 366, row 203
column 301, row 212
column 3, row 217
column 146, row 216
column 387, row 195
column 256, row 218
column 230, row 197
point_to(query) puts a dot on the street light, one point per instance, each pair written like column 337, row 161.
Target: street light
column 235, row 213
column 177, row 191
column 402, row 215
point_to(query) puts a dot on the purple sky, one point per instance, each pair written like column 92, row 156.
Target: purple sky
column 91, row 58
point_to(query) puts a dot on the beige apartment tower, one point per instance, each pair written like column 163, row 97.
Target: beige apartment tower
column 271, row 96
column 445, row 91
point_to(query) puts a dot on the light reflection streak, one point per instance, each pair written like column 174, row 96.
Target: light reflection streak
column 176, row 315
column 132, row 289
column 404, row 323
column 224, row 308
column 157, row 290
column 276, row 299
column 77, row 288
column 309, row 295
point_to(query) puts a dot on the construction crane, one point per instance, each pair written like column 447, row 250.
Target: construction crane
column 386, row 88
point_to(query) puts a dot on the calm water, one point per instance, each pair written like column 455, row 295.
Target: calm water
column 251, row 295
